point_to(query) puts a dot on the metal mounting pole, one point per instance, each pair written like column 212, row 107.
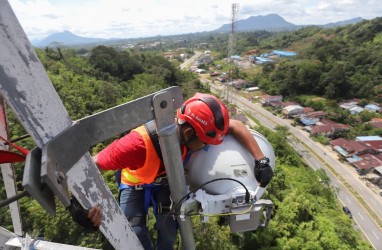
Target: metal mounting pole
column 9, row 176
column 169, row 141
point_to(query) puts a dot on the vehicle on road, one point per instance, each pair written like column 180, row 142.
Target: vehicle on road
column 347, row 211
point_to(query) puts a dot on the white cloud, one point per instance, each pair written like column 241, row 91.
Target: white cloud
column 140, row 18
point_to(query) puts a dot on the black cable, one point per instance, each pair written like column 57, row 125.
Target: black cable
column 17, row 139
column 13, row 198
column 247, row 194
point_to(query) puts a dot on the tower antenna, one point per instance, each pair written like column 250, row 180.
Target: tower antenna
column 231, row 47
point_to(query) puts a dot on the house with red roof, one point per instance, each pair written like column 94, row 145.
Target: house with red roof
column 266, row 99
column 363, row 155
column 328, row 129
column 367, row 163
column 346, row 147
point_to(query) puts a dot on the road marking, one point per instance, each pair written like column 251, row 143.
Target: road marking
column 376, row 236
column 361, row 216
column 348, row 200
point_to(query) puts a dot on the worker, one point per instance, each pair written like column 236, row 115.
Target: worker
column 202, row 120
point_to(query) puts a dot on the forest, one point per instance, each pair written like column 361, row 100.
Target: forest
column 336, row 63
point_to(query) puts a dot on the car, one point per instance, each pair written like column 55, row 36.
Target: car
column 347, row 211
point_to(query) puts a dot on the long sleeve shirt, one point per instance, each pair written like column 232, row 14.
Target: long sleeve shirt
column 128, row 151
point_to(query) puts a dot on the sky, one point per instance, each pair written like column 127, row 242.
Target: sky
column 147, row 18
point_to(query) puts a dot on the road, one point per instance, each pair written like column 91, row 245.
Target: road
column 343, row 178
column 191, row 60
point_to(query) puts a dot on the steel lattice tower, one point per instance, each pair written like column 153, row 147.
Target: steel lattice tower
column 231, row 44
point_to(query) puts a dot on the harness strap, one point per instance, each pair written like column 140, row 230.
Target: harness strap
column 149, row 190
column 151, row 129
column 149, row 198
column 12, row 157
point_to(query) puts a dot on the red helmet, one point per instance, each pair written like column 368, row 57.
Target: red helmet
column 207, row 115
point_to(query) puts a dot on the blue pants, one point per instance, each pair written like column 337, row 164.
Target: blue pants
column 132, row 204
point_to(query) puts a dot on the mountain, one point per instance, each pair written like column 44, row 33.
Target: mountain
column 274, row 22
column 343, row 23
column 271, row 22
column 67, row 38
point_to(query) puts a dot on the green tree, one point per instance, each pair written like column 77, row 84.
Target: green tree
column 336, row 83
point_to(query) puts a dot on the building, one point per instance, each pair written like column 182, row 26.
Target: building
column 200, row 71
column 347, row 148
column 289, row 103
column 266, row 99
column 352, row 106
column 356, row 110
column 235, row 58
column 364, row 156
column 239, row 83
column 368, row 138
column 292, row 111
column 308, row 110
column 312, row 118
column 306, row 121
column 282, row 53
column 374, row 142
column 328, row 130
column 169, row 55
column 376, row 124
column 367, row 163
column 316, row 115
column 251, row 89
column 262, row 60
column 373, row 108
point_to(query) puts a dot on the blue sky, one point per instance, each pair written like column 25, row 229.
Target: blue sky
column 146, row 18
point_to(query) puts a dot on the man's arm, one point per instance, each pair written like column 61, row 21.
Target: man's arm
column 127, row 151
column 245, row 138
column 262, row 170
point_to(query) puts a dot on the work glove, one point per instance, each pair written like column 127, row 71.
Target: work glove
column 263, row 172
column 80, row 215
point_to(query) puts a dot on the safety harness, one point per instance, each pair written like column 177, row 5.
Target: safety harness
column 151, row 188
column 7, row 156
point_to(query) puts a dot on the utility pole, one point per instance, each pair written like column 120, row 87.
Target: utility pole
column 231, row 47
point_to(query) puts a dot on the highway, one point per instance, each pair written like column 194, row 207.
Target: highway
column 344, row 179
column 191, row 60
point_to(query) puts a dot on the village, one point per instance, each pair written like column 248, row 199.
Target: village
column 364, row 153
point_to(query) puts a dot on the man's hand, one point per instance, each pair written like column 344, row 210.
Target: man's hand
column 89, row 219
column 263, row 172
column 95, row 216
